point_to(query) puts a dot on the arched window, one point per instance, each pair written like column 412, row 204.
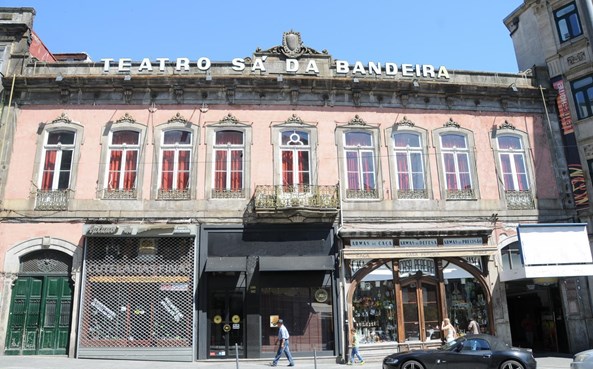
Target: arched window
column 455, row 156
column 512, row 162
column 295, row 151
column 124, row 148
column 409, row 162
column 175, row 164
column 229, row 147
column 360, row 165
column 58, row 153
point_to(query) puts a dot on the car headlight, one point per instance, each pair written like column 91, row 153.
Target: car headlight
column 581, row 357
column 390, row 361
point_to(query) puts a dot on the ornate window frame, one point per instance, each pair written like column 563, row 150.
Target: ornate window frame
column 515, row 200
column 357, row 124
column 56, row 200
column 452, row 127
column 295, row 123
column 177, row 122
column 125, row 123
column 228, row 123
column 407, row 126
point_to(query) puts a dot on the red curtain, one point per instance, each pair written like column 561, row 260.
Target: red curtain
column 464, row 177
column 352, row 170
column 183, row 170
column 114, row 170
column 521, row 173
column 131, row 168
column 220, row 170
column 287, row 168
column 48, row 169
column 236, row 170
column 303, row 162
column 368, row 169
column 403, row 175
column 167, row 170
column 450, row 173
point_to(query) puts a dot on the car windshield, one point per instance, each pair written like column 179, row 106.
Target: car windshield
column 449, row 345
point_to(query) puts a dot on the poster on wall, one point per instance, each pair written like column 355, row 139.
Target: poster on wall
column 576, row 174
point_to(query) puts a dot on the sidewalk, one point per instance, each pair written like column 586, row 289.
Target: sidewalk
column 54, row 362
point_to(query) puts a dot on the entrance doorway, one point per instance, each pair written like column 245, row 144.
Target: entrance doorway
column 226, row 317
column 420, row 310
column 40, row 311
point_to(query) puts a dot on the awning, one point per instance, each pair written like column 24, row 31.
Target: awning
column 552, row 250
column 295, row 263
column 226, row 264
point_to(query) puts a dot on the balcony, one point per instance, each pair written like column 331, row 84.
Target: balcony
column 52, row 200
column 299, row 203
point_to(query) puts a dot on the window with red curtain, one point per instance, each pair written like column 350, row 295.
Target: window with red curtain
column 409, row 161
column 455, row 155
column 360, row 161
column 124, row 147
column 295, row 152
column 175, row 165
column 228, row 161
column 57, row 161
column 512, row 163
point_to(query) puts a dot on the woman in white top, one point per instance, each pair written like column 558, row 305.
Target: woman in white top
column 448, row 329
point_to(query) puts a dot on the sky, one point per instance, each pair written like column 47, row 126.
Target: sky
column 459, row 34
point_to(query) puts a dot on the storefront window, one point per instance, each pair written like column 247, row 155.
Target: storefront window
column 465, row 299
column 374, row 307
column 307, row 314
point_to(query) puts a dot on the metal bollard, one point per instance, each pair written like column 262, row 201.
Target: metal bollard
column 237, row 355
column 315, row 358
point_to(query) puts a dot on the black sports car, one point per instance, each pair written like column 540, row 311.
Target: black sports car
column 477, row 351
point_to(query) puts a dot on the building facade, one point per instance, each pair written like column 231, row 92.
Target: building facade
column 555, row 36
column 176, row 209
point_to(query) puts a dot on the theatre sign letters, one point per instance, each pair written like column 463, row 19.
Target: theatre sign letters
column 291, row 49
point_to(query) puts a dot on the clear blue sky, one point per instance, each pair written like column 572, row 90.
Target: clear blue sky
column 459, row 34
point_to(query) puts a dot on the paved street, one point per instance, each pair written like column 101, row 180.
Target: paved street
column 53, row 362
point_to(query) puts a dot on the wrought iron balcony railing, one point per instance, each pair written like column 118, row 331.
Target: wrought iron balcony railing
column 228, row 194
column 53, row 200
column 301, row 196
column 362, row 194
column 412, row 194
column 519, row 200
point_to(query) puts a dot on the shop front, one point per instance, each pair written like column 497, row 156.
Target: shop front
column 138, row 292
column 253, row 276
column 546, row 270
column 401, row 288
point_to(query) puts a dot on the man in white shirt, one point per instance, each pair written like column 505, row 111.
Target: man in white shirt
column 282, row 344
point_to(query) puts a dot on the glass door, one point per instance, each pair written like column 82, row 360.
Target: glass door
column 225, row 314
column 420, row 310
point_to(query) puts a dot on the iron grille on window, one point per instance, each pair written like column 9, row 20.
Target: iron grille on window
column 119, row 194
column 519, row 200
column 51, row 200
column 467, row 194
column 138, row 293
column 173, row 194
column 412, row 194
column 44, row 262
column 362, row 194
column 228, row 194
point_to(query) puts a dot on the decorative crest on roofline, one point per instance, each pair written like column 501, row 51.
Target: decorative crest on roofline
column 292, row 46
column 62, row 118
column 125, row 118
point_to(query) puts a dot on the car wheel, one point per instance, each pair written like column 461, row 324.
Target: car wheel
column 412, row 364
column 512, row 364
